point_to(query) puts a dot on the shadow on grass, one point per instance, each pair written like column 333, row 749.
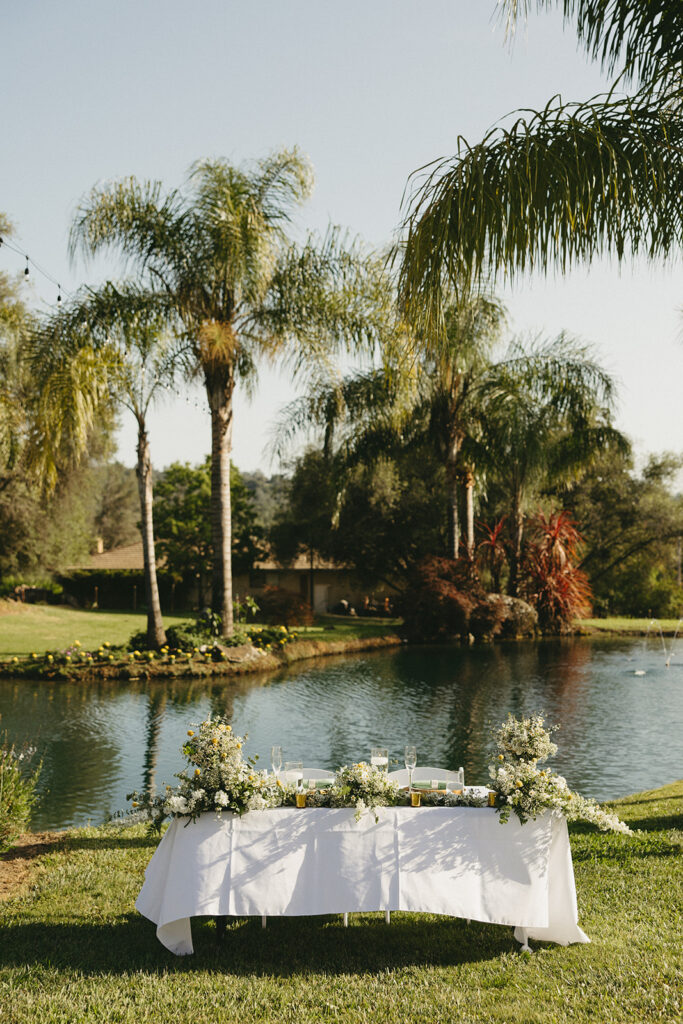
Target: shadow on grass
column 287, row 947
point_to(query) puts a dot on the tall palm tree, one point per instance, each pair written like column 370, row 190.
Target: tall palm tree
column 107, row 345
column 566, row 183
column 221, row 252
column 545, row 416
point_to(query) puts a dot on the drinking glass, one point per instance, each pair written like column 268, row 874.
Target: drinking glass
column 294, row 771
column 410, row 762
column 379, row 758
column 276, row 759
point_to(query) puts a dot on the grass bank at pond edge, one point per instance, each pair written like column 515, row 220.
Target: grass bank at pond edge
column 28, row 631
column 620, row 626
column 74, row 949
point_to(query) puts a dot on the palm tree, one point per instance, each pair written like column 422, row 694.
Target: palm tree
column 423, row 391
column 544, row 413
column 109, row 345
column 566, row 183
column 221, row 252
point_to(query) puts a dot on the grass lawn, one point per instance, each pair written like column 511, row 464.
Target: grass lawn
column 37, row 627
column 615, row 624
column 33, row 627
column 74, row 949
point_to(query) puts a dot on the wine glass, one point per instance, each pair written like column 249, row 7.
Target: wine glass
column 276, row 759
column 410, row 762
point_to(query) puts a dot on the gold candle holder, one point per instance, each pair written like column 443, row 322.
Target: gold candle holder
column 492, row 799
column 300, row 799
column 415, row 798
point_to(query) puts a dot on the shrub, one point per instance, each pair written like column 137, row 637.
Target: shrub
column 283, row 607
column 446, row 600
column 18, row 780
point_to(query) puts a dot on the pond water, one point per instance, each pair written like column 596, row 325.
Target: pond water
column 619, row 707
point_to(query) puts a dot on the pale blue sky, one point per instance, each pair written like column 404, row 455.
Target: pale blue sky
column 370, row 89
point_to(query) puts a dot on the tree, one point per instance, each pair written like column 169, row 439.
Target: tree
column 107, row 346
column 182, row 509
column 545, row 417
column 566, row 183
column 632, row 524
column 221, row 253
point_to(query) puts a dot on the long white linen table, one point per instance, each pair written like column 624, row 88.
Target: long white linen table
column 458, row 861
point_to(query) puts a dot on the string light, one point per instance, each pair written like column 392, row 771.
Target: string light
column 36, row 266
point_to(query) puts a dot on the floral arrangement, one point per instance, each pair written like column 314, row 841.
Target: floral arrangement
column 218, row 778
column 521, row 786
column 364, row 787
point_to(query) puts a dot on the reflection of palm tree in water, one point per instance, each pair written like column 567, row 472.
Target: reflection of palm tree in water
column 222, row 702
column 156, row 704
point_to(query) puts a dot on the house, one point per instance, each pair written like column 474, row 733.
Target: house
column 324, row 584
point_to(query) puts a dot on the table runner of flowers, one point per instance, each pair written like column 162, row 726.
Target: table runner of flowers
column 218, row 777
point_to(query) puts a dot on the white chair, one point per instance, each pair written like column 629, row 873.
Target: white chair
column 426, row 774
column 317, row 774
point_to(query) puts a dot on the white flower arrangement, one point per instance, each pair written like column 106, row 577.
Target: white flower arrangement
column 218, row 778
column 521, row 786
column 364, row 787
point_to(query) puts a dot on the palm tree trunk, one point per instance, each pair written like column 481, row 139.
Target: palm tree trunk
column 516, row 559
column 469, row 506
column 452, row 478
column 156, row 635
column 219, row 388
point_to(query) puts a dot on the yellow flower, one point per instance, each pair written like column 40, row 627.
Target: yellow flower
column 228, row 728
column 239, row 746
column 135, row 803
column 111, row 657
column 518, row 784
column 279, row 783
column 190, row 732
column 214, row 740
column 251, row 778
column 68, row 657
column 197, row 772
column 500, row 757
column 50, row 658
column 77, row 643
column 15, row 661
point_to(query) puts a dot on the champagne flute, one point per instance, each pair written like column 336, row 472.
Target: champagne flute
column 276, row 760
column 410, row 762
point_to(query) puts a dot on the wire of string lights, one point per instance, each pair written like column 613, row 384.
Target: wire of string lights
column 36, row 266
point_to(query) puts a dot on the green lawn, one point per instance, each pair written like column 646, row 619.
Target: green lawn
column 616, row 624
column 73, row 948
column 40, row 628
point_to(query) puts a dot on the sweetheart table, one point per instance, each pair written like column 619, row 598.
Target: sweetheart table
column 459, row 861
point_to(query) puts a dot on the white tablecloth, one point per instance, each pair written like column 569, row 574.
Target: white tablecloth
column 458, row 861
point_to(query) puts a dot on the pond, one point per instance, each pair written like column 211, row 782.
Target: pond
column 619, row 706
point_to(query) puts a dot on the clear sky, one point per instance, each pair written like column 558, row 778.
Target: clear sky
column 370, row 89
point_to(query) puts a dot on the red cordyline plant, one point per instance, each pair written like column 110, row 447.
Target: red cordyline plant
column 559, row 591
column 493, row 552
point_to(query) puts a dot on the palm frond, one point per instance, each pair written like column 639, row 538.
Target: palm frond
column 559, row 186
column 644, row 37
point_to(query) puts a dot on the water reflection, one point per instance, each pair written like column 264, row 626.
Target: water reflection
column 619, row 731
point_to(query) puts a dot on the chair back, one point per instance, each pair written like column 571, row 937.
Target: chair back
column 427, row 773
column 317, row 775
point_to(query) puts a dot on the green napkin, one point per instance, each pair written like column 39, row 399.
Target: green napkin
column 427, row 784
